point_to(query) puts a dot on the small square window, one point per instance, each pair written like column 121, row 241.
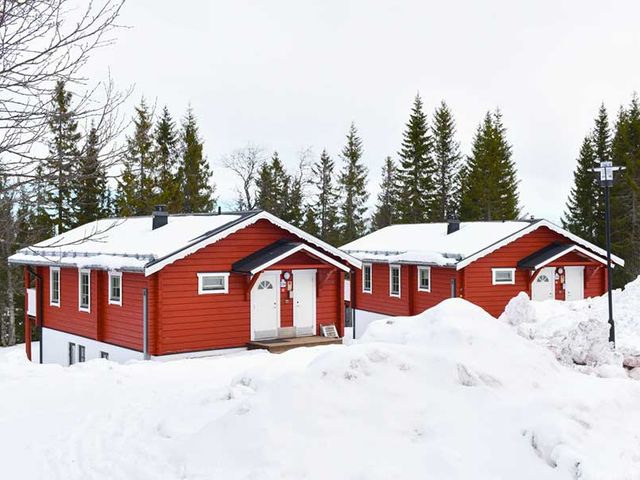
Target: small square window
column 424, row 279
column 394, row 280
column 503, row 276
column 366, row 278
column 104, row 355
column 81, row 354
column 213, row 283
column 115, row 288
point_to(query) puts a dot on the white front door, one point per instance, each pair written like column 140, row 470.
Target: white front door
column 265, row 306
column 304, row 302
column 543, row 287
column 573, row 283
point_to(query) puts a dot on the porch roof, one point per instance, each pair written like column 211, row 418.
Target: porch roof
column 554, row 251
column 276, row 252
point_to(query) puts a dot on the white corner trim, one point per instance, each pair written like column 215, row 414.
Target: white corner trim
column 534, row 226
column 109, row 299
column 370, row 267
column 51, row 302
column 495, row 270
column 399, row 268
column 202, row 275
column 422, row 268
column 80, row 307
column 306, row 248
column 150, row 270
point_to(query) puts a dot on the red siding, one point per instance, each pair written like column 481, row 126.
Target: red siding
column 477, row 280
column 188, row 321
column 440, row 288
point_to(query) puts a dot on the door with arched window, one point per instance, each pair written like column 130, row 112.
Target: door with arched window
column 265, row 306
column 543, row 287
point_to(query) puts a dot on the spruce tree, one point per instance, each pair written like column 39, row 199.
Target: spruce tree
column 601, row 141
column 325, row 204
column 135, row 193
column 194, row 172
column 446, row 158
column 416, row 169
column 165, row 148
column 310, row 225
column 353, row 187
column 625, row 201
column 91, row 191
column 489, row 189
column 60, row 166
column 386, row 210
column 293, row 208
column 272, row 187
column 581, row 217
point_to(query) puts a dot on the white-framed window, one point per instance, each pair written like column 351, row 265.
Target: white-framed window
column 367, row 278
column 115, row 288
column 424, row 279
column 503, row 276
column 216, row 282
column 54, row 286
column 394, row 281
column 84, row 290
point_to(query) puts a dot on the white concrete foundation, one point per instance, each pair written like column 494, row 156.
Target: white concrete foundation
column 55, row 348
column 364, row 318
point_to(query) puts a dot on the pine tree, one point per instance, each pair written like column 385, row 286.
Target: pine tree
column 353, row 186
column 293, row 208
column 165, row 148
column 135, row 193
column 60, row 167
column 386, row 211
column 310, row 225
column 91, row 191
column 489, row 189
column 416, row 169
column 581, row 217
column 601, row 141
column 325, row 204
column 625, row 201
column 194, row 172
column 446, row 157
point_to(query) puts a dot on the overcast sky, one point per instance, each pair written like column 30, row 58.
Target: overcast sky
column 288, row 75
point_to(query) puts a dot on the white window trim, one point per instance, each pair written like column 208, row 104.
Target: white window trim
column 391, row 268
column 111, row 301
column 201, row 275
column 51, row 302
column 370, row 267
column 80, row 307
column 495, row 270
column 422, row 268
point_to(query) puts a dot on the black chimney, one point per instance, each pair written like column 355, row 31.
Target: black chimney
column 453, row 224
column 160, row 216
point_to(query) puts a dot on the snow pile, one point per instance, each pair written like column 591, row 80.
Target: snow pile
column 578, row 332
column 449, row 394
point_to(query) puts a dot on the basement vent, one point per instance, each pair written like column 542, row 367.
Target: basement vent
column 329, row 331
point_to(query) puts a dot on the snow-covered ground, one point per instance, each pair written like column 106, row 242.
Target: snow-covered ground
column 578, row 332
column 449, row 394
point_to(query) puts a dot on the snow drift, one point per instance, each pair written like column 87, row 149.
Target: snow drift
column 449, row 394
column 578, row 332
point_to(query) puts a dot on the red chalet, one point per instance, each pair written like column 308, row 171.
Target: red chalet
column 150, row 287
column 409, row 268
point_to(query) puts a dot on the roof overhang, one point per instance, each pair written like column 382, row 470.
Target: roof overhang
column 530, row 228
column 541, row 259
column 212, row 238
column 276, row 253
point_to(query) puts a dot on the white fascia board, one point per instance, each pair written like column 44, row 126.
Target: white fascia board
column 306, row 248
column 574, row 248
column 534, row 226
column 150, row 270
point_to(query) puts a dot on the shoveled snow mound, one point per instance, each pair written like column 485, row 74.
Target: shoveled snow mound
column 578, row 332
column 449, row 394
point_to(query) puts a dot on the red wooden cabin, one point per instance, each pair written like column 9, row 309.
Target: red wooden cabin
column 149, row 287
column 409, row 268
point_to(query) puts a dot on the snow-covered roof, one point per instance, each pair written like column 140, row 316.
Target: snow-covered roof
column 429, row 243
column 132, row 244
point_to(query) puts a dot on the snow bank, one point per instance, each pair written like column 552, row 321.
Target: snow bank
column 578, row 332
column 449, row 394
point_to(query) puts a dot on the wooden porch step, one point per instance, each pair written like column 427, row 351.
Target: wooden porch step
column 280, row 345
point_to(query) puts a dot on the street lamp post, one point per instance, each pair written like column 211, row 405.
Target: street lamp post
column 606, row 170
